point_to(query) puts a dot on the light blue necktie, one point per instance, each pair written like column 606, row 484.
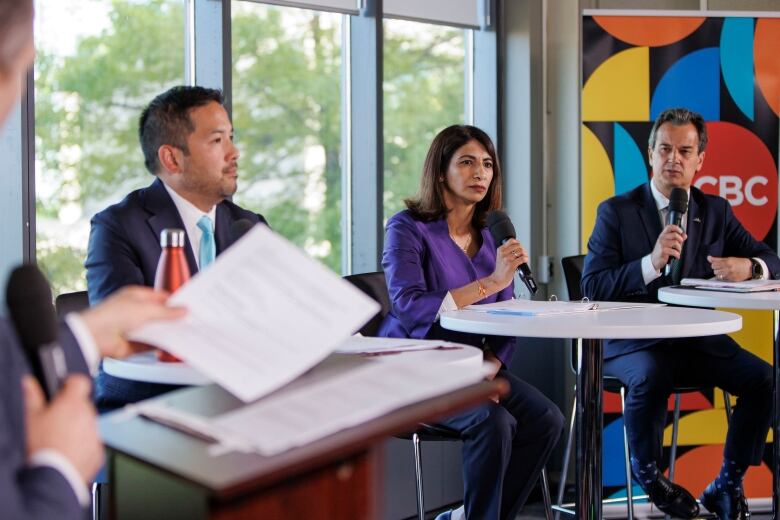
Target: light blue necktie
column 208, row 249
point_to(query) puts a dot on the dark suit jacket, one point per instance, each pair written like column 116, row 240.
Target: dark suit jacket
column 124, row 243
column 29, row 493
column 124, row 248
column 627, row 227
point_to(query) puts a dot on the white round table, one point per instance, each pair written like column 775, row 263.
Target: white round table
column 145, row 366
column 767, row 300
column 593, row 327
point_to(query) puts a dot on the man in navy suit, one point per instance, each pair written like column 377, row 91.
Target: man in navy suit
column 187, row 141
column 627, row 254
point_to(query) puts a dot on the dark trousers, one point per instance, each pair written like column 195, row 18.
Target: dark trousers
column 650, row 375
column 505, row 447
column 111, row 392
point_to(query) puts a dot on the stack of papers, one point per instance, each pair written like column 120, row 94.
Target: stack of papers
column 261, row 315
column 533, row 308
column 338, row 394
column 362, row 345
column 747, row 286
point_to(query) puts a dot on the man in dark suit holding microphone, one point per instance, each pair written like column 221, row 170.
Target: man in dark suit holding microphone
column 633, row 251
column 49, row 451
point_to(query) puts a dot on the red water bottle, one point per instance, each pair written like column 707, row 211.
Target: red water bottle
column 172, row 271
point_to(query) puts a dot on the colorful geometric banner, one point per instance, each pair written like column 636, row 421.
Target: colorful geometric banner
column 727, row 69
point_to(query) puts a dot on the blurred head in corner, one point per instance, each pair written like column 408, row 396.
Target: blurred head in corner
column 16, row 51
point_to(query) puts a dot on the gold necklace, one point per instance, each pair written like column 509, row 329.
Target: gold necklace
column 465, row 247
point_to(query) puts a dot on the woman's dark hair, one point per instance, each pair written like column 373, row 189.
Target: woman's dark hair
column 429, row 204
column 16, row 25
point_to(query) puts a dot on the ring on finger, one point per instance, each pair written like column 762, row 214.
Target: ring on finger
column 517, row 255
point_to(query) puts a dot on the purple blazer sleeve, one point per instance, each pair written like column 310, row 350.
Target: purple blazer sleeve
column 415, row 301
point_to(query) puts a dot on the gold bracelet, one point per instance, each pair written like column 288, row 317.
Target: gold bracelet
column 481, row 290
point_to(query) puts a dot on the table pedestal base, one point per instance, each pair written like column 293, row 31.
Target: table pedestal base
column 589, row 429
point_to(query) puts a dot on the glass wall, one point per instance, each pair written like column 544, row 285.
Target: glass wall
column 287, row 106
column 424, row 86
column 98, row 63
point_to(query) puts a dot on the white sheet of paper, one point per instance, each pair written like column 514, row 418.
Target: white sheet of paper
column 365, row 345
column 260, row 316
column 340, row 393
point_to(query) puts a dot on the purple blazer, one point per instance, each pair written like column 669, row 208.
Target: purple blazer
column 422, row 263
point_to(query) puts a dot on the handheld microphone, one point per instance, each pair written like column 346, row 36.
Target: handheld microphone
column 678, row 207
column 29, row 301
column 239, row 228
column 501, row 229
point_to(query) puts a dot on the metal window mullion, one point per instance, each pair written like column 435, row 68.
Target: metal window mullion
column 366, row 135
column 212, row 53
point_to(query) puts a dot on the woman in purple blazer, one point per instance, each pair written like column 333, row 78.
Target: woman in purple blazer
column 439, row 256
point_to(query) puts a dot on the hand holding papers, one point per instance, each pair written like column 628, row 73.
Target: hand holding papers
column 260, row 316
column 720, row 285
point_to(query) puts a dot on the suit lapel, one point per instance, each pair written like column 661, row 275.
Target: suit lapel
column 165, row 215
column 648, row 213
column 222, row 227
column 693, row 230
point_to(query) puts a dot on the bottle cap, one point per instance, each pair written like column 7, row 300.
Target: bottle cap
column 172, row 237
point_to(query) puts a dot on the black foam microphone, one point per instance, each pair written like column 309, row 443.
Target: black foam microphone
column 30, row 306
column 239, row 228
column 678, row 207
column 501, row 229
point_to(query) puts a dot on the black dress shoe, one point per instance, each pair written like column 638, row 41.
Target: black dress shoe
column 725, row 505
column 672, row 499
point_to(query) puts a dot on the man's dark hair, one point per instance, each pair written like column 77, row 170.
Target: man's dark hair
column 429, row 204
column 16, row 24
column 679, row 117
column 167, row 120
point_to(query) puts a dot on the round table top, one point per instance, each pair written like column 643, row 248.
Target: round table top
column 631, row 323
column 766, row 300
column 145, row 366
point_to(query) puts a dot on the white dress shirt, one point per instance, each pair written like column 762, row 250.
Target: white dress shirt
column 190, row 215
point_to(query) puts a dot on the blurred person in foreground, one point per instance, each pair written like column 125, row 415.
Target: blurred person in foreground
column 49, row 452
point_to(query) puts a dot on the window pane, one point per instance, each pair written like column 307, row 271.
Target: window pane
column 287, row 119
column 423, row 93
column 98, row 64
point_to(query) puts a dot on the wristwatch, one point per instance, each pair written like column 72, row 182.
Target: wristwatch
column 756, row 271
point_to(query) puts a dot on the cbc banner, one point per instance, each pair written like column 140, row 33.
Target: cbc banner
column 727, row 69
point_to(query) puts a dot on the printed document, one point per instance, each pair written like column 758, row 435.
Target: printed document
column 261, row 315
column 341, row 392
column 747, row 286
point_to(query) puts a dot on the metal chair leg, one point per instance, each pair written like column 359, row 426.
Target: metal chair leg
column 566, row 456
column 629, row 478
column 675, row 431
column 96, row 501
column 418, row 476
column 544, row 483
column 727, row 403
